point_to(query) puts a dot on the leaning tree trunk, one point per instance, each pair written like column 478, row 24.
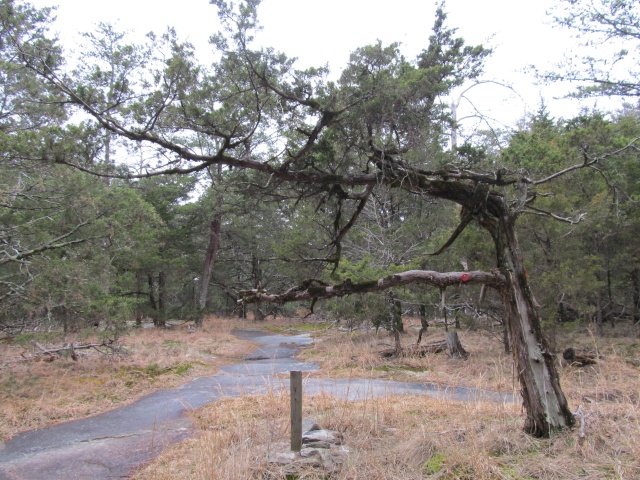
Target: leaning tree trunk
column 209, row 260
column 544, row 402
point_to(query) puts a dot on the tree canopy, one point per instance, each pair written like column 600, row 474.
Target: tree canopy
column 609, row 34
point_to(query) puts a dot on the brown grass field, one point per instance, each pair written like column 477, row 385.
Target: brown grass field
column 36, row 393
column 396, row 437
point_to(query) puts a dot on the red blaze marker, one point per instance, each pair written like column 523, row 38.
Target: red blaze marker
column 465, row 277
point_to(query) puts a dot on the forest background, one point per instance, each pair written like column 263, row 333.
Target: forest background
column 136, row 182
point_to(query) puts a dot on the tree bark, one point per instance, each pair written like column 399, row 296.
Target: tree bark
column 396, row 306
column 138, row 293
column 599, row 326
column 544, row 402
column 612, row 317
column 505, row 336
column 210, row 259
column 396, row 321
column 635, row 296
column 256, row 272
column 443, row 308
column 314, row 289
column 152, row 295
column 160, row 320
column 424, row 324
column 456, row 350
column 396, row 340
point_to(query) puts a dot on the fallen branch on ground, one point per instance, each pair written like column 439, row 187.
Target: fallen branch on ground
column 417, row 351
column 578, row 358
column 451, row 344
column 50, row 354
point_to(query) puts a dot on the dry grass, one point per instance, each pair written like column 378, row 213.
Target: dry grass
column 355, row 355
column 400, row 437
column 411, row 437
column 404, row 437
column 37, row 393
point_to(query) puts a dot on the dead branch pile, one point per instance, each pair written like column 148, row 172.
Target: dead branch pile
column 451, row 345
column 416, row 350
column 106, row 347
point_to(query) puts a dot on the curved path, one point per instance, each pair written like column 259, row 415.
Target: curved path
column 111, row 444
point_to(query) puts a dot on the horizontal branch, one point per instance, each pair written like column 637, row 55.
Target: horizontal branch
column 588, row 162
column 545, row 213
column 314, row 289
column 71, row 347
column 50, row 245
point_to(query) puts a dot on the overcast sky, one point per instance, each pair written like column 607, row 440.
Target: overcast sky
column 326, row 32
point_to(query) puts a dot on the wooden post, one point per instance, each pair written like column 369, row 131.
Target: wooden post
column 296, row 410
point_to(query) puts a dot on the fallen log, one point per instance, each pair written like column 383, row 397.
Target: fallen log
column 416, row 350
column 50, row 354
column 451, row 344
column 578, row 358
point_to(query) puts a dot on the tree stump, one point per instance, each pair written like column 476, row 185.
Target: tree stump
column 456, row 350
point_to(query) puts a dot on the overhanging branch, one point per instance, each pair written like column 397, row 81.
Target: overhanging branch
column 314, row 290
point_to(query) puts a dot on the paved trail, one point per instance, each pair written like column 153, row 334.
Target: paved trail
column 110, row 445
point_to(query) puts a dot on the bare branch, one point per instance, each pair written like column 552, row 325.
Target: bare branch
column 544, row 213
column 313, row 289
column 466, row 219
column 588, row 162
column 50, row 245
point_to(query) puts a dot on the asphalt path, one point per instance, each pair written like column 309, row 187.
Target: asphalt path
column 112, row 444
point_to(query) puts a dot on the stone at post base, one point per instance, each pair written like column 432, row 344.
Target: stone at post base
column 321, row 449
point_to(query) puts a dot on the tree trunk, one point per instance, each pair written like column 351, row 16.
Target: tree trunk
column 256, row 272
column 544, row 402
column 152, row 295
column 423, row 322
column 108, row 163
column 396, row 313
column 162, row 294
column 396, row 339
column 599, row 327
column 612, row 317
column 160, row 320
column 635, row 296
column 209, row 260
column 505, row 336
column 138, row 293
column 443, row 308
column 456, row 350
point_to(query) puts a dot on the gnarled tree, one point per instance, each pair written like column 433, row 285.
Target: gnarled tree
column 380, row 126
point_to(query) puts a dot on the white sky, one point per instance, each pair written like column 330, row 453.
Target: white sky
column 324, row 32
